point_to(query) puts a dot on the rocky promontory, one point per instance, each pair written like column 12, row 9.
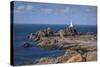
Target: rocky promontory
column 78, row 46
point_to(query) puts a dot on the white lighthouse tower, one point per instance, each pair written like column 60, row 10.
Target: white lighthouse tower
column 71, row 24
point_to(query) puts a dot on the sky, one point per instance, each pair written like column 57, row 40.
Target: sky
column 48, row 13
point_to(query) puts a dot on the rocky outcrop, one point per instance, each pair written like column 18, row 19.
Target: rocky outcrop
column 78, row 46
column 71, row 31
column 70, row 56
column 41, row 33
column 74, row 56
column 82, row 42
column 90, row 56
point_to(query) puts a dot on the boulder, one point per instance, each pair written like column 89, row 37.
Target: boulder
column 61, row 33
column 75, row 58
column 91, row 56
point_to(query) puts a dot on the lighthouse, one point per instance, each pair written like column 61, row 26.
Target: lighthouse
column 71, row 24
column 71, row 30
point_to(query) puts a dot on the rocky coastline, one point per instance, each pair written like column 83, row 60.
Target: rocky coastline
column 78, row 46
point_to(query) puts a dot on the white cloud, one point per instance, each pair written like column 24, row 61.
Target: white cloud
column 47, row 10
column 23, row 8
column 58, row 11
column 65, row 10
column 20, row 7
column 87, row 10
column 29, row 7
column 55, row 11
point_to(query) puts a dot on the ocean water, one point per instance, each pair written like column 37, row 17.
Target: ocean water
column 29, row 55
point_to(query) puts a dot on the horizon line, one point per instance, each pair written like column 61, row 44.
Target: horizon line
column 54, row 24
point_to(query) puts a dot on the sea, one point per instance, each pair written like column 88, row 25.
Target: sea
column 24, row 56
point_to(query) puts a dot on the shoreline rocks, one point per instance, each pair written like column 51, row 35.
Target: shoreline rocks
column 78, row 46
column 70, row 56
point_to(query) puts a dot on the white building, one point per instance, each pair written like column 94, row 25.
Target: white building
column 71, row 24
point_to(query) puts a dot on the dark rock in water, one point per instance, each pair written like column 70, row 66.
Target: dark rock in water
column 26, row 44
column 30, row 36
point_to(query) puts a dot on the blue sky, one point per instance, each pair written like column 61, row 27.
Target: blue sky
column 44, row 13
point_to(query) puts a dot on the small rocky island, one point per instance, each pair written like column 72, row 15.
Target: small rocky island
column 78, row 46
